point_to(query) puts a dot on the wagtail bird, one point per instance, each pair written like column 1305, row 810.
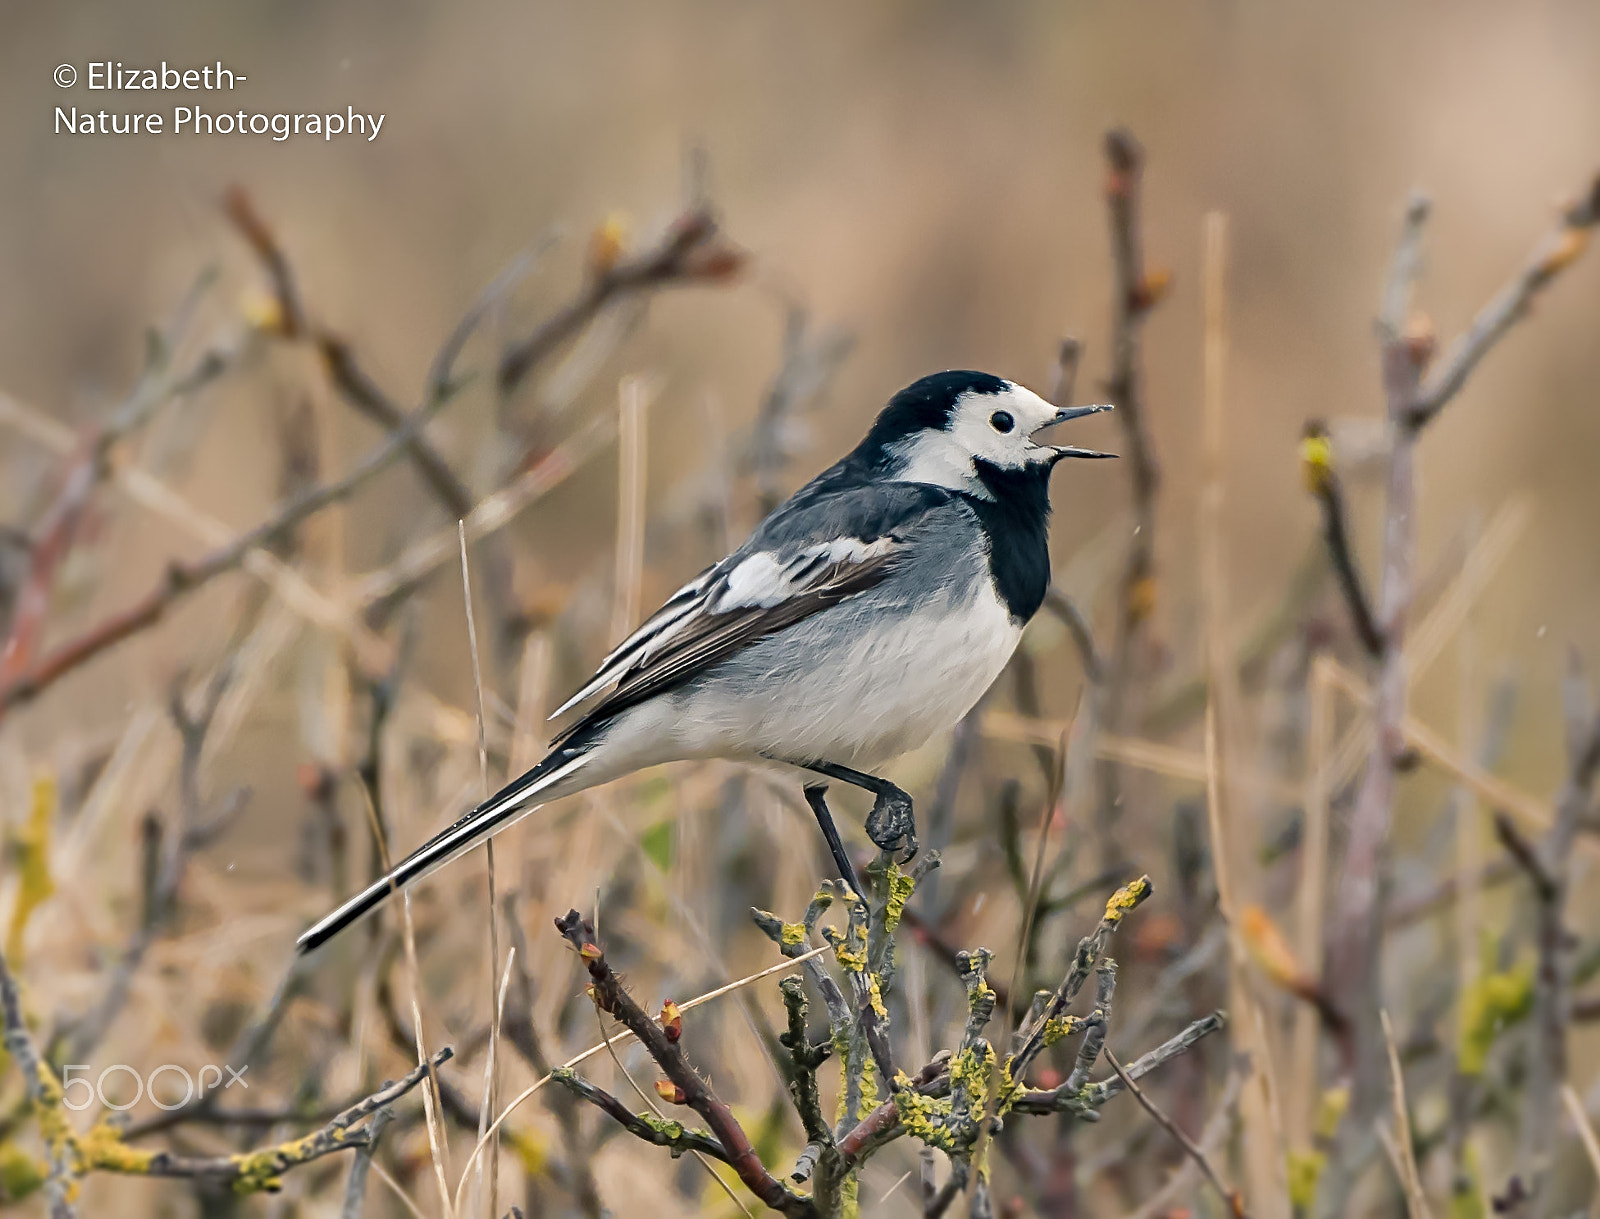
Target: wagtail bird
column 865, row 615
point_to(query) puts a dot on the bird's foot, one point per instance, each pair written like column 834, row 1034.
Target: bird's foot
column 891, row 825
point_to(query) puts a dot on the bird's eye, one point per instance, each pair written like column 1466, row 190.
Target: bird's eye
column 1001, row 421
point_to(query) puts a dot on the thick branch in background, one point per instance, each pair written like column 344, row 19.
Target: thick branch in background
column 1551, row 871
column 1135, row 291
column 1355, row 930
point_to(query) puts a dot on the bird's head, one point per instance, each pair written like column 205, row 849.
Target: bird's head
column 952, row 429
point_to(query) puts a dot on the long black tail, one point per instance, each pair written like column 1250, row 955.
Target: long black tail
column 511, row 802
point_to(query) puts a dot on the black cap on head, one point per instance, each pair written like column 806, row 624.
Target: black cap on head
column 929, row 403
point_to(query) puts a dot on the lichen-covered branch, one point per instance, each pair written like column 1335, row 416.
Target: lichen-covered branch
column 663, row 1132
column 1088, row 952
column 104, row 1148
column 946, row 1105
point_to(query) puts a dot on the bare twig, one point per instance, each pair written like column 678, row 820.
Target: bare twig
column 1554, row 254
column 1059, row 1100
column 496, row 995
column 1322, row 480
column 1410, row 1178
column 176, row 842
column 634, row 396
column 1077, row 624
column 348, row 377
column 1580, row 1119
column 1064, row 376
column 1230, row 1197
column 355, row 1190
column 663, row 1133
column 692, row 251
column 1216, row 1129
column 810, row 360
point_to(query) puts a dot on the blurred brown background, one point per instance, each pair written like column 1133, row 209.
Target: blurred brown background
column 926, row 175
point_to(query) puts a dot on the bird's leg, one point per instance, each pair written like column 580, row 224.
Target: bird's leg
column 890, row 824
column 816, row 797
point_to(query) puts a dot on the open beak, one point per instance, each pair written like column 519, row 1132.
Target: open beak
column 1065, row 414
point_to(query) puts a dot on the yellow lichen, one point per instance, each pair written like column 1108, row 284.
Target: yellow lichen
column 850, row 958
column 530, row 1150
column 980, row 993
column 1492, row 1001
column 51, row 1116
column 971, row 1069
column 869, row 1087
column 792, row 935
column 1330, row 1112
column 32, row 845
column 1011, row 1089
column 923, row 1117
column 263, row 1170
column 841, row 1055
column 1316, row 458
column 901, row 887
column 1305, row 1169
column 850, row 1197
column 102, row 1149
column 1061, row 1027
column 662, row 1125
column 875, row 992
column 20, row 1173
column 1126, row 899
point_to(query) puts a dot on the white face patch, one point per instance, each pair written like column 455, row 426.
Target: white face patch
column 995, row 427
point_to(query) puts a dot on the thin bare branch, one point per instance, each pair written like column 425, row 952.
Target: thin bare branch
column 1230, row 1196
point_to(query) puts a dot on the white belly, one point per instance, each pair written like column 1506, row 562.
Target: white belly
column 847, row 695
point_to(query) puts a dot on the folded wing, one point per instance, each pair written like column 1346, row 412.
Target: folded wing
column 728, row 607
